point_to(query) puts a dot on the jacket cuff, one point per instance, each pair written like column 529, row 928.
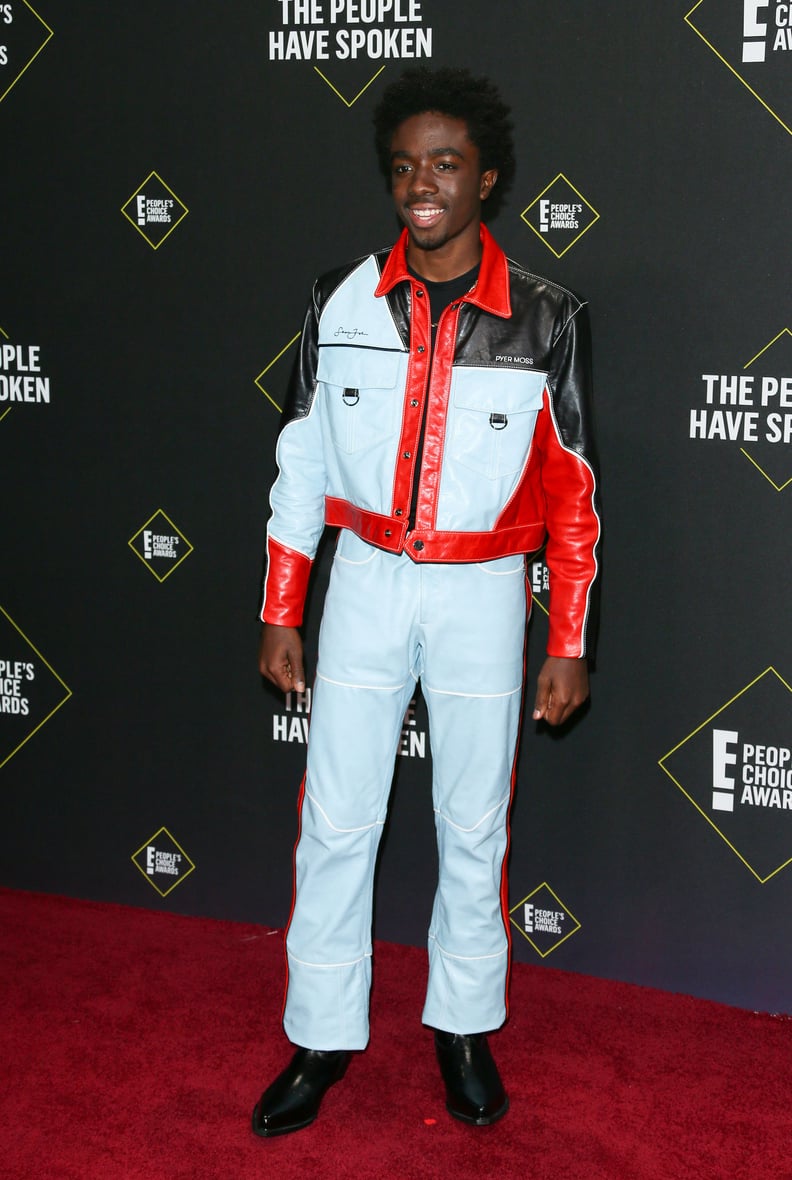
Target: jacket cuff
column 285, row 585
column 570, row 613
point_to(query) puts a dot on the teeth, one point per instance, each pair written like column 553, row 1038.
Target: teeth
column 425, row 212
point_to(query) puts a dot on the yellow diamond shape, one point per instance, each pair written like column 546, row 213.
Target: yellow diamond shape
column 349, row 102
column 564, row 909
column 542, row 237
column 37, row 724
column 538, row 560
column 149, row 870
column 266, row 369
column 30, row 60
column 729, row 66
column 7, row 411
column 771, row 672
column 761, row 352
column 132, row 221
column 142, row 556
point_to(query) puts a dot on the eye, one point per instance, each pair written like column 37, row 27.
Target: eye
column 400, row 169
column 446, row 166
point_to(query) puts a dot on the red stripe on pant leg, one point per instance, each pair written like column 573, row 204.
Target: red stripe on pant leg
column 505, row 865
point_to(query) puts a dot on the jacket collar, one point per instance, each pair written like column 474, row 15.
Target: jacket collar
column 491, row 292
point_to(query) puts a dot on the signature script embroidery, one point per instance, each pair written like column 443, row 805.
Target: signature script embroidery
column 350, row 333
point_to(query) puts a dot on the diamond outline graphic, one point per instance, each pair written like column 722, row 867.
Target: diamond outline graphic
column 698, row 729
column 149, row 567
column 770, row 480
column 539, row 555
column 730, row 67
column 49, row 668
column 8, row 411
column 577, row 192
column 349, row 103
column 25, row 68
column 179, row 879
column 266, row 369
column 134, row 223
column 567, row 911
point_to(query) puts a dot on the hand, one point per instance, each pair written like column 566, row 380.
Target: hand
column 281, row 657
column 562, row 687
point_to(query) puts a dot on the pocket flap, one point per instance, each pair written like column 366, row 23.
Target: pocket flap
column 357, row 368
column 500, row 391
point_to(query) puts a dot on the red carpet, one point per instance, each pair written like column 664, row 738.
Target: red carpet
column 135, row 1044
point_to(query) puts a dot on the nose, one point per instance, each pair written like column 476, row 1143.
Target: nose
column 423, row 180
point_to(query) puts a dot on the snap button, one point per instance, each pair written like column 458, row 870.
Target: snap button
column 407, row 455
column 418, row 545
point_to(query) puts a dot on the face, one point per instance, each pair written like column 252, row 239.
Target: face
column 438, row 187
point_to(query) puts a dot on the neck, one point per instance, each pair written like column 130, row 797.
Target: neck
column 442, row 264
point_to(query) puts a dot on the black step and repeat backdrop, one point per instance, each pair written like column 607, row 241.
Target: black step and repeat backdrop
column 174, row 177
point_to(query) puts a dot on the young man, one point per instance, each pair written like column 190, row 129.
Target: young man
column 439, row 415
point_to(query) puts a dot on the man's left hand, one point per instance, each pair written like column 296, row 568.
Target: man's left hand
column 562, row 687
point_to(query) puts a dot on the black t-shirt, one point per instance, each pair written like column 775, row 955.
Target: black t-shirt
column 441, row 294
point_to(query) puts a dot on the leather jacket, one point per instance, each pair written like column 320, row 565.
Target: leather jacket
column 508, row 456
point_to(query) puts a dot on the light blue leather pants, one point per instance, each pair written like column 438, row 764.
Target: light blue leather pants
column 388, row 622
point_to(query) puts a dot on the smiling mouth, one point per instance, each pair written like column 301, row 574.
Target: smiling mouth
column 425, row 214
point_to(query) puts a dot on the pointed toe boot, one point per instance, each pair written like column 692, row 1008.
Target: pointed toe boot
column 474, row 1091
column 293, row 1100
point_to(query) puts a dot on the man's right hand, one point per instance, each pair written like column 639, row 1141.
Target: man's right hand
column 281, row 657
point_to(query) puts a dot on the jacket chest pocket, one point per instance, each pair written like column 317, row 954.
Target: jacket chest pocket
column 361, row 396
column 493, row 415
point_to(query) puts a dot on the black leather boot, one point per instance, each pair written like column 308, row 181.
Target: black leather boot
column 474, row 1091
column 294, row 1098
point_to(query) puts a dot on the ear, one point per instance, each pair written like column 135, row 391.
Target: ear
column 488, row 180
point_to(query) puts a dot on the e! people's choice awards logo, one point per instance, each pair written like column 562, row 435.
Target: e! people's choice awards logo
column 543, row 920
column 154, row 210
column 753, row 39
column 160, row 545
column 163, row 862
column 560, row 215
column 736, row 770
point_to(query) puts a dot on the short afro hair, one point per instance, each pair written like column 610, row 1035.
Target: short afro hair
column 454, row 92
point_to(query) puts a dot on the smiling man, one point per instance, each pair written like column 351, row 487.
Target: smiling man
column 439, row 416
